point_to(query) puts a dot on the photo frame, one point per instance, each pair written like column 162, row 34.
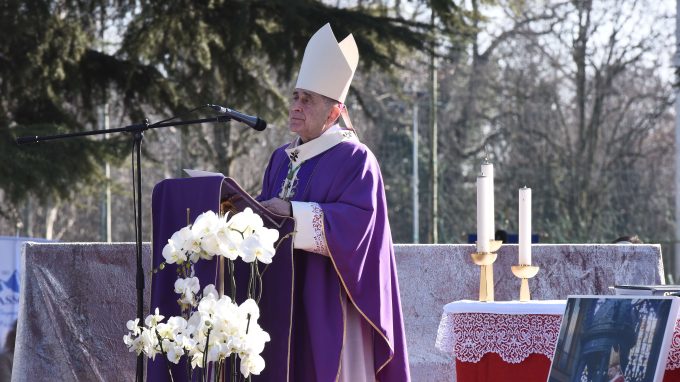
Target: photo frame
column 614, row 339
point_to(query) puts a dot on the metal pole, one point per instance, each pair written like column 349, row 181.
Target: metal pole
column 108, row 179
column 416, row 207
column 433, row 127
column 138, row 239
column 106, row 203
column 105, row 232
column 676, row 63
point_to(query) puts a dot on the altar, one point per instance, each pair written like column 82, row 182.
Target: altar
column 501, row 341
column 512, row 341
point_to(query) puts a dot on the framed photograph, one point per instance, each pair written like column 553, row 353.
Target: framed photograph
column 614, row 339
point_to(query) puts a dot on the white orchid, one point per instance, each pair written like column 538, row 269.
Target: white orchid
column 186, row 240
column 153, row 319
column 226, row 241
column 256, row 339
column 134, row 344
column 249, row 309
column 185, row 341
column 189, row 284
column 172, row 254
column 207, row 307
column 206, row 228
column 197, row 360
column 195, row 322
column 165, row 331
column 174, row 353
column 246, row 222
column 218, row 352
column 252, row 364
column 210, row 246
column 260, row 246
column 232, row 244
column 187, row 289
column 149, row 343
column 217, row 327
column 205, row 224
column 178, row 324
column 210, row 291
column 226, row 311
column 133, row 326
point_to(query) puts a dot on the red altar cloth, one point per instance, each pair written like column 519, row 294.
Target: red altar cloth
column 491, row 367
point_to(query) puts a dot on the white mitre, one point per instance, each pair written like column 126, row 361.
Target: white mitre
column 328, row 66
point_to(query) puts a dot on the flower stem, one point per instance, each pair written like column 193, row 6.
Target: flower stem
column 284, row 237
column 218, row 371
column 165, row 354
column 251, row 281
column 232, row 276
column 205, row 356
column 259, row 282
column 234, row 373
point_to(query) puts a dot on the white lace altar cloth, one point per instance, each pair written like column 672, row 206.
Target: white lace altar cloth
column 673, row 361
column 511, row 329
column 470, row 329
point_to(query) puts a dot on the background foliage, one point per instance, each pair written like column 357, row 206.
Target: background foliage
column 571, row 98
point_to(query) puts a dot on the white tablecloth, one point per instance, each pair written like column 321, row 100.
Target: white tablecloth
column 512, row 329
column 507, row 307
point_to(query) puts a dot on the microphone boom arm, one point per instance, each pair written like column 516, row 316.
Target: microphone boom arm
column 127, row 129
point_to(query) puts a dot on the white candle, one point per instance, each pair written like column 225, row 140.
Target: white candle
column 525, row 226
column 487, row 170
column 482, row 214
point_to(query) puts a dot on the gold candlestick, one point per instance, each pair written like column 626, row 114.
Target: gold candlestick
column 495, row 245
column 485, row 261
column 524, row 272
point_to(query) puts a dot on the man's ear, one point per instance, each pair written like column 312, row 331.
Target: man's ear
column 333, row 114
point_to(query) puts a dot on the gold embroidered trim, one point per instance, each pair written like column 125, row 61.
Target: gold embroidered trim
column 343, row 305
column 349, row 295
column 320, row 245
column 292, row 295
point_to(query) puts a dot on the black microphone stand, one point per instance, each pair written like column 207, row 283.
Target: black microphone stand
column 137, row 131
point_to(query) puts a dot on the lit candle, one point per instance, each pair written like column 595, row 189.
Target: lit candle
column 487, row 170
column 525, row 226
column 482, row 214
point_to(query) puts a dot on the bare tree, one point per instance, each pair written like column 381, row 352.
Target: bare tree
column 587, row 120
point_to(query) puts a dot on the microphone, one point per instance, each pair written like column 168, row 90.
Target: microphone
column 252, row 121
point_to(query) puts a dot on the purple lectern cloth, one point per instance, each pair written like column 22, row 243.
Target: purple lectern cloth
column 346, row 182
column 171, row 198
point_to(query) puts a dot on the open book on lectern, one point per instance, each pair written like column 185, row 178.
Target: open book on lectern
column 234, row 199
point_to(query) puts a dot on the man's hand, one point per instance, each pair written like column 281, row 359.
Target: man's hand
column 278, row 206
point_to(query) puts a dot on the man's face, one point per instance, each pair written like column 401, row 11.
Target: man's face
column 309, row 114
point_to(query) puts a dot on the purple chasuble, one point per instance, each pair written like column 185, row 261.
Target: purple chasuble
column 347, row 184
